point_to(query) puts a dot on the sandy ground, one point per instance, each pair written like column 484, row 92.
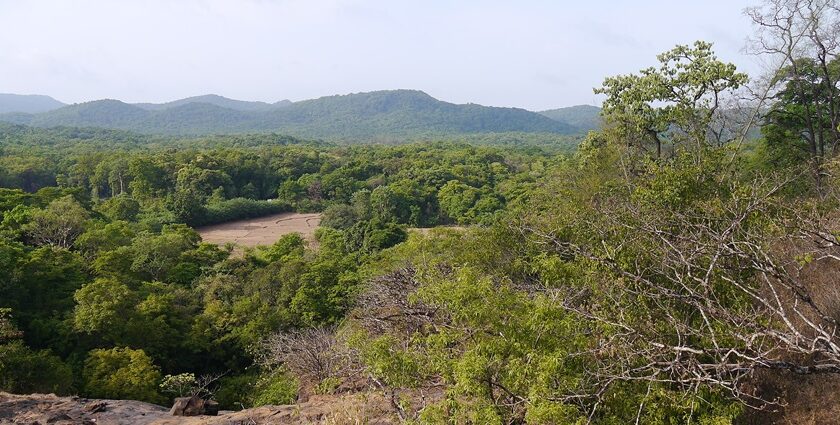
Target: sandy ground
column 261, row 231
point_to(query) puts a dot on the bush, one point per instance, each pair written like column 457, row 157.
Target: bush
column 236, row 392
column 121, row 373
column 276, row 388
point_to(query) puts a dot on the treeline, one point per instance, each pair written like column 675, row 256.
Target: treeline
column 239, row 177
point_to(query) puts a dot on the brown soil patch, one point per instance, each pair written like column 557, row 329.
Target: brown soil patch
column 263, row 230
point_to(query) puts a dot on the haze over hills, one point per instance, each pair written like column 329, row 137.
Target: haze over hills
column 216, row 100
column 380, row 114
column 27, row 103
column 582, row 117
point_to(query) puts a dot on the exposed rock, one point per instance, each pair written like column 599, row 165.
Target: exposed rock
column 59, row 417
column 372, row 408
column 96, row 407
column 48, row 408
column 194, row 406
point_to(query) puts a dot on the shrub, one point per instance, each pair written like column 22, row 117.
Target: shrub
column 121, row 373
column 275, row 388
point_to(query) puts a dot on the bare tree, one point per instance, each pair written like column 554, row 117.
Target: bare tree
column 386, row 305
column 803, row 37
column 311, row 355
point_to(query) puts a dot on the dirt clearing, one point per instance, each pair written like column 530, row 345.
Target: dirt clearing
column 263, row 230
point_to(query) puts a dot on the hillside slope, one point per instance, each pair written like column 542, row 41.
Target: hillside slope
column 582, row 117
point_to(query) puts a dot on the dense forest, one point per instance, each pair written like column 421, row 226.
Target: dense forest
column 103, row 275
column 676, row 267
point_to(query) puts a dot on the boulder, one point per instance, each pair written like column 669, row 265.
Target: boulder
column 194, row 406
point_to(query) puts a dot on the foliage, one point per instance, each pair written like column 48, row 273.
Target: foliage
column 277, row 388
column 23, row 370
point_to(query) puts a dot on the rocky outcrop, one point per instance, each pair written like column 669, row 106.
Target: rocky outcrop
column 194, row 406
column 42, row 409
column 50, row 409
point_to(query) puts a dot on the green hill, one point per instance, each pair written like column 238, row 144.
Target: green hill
column 401, row 113
column 380, row 115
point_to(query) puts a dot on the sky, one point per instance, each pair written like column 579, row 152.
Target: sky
column 534, row 54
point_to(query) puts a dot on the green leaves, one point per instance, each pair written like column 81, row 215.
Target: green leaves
column 122, row 373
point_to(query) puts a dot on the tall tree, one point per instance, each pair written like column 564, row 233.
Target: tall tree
column 677, row 102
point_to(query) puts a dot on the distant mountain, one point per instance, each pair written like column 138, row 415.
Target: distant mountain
column 30, row 104
column 582, row 117
column 216, row 100
column 380, row 115
column 400, row 113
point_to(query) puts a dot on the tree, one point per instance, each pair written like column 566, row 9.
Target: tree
column 120, row 207
column 42, row 293
column 339, row 216
column 291, row 244
column 59, row 224
column 456, row 199
column 156, row 256
column 188, row 206
column 103, row 306
column 676, row 103
column 801, row 37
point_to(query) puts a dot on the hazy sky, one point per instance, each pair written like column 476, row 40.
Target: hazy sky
column 526, row 53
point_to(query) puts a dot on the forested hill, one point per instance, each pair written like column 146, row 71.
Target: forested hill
column 381, row 115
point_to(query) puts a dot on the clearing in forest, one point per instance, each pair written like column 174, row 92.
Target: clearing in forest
column 263, row 230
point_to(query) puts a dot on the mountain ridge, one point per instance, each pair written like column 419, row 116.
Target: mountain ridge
column 217, row 100
column 378, row 114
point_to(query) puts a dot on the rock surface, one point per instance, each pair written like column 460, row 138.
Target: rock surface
column 42, row 409
column 194, row 406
